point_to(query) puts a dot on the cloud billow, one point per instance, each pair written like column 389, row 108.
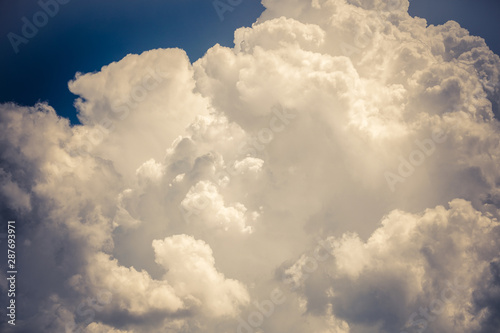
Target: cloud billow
column 192, row 194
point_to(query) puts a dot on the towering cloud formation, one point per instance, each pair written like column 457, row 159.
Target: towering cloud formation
column 336, row 171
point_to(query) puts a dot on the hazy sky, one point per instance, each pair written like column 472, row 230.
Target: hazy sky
column 336, row 169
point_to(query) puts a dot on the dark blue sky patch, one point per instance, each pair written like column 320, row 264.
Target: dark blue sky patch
column 86, row 35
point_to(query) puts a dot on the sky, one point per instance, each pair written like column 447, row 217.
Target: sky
column 86, row 35
column 330, row 166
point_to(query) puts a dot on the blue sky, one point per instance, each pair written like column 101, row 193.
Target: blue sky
column 86, row 35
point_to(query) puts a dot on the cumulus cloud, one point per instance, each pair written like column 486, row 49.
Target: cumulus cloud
column 191, row 270
column 335, row 171
column 203, row 198
column 415, row 272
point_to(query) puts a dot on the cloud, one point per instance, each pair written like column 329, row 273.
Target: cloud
column 415, row 272
column 203, row 198
column 191, row 270
column 191, row 190
column 148, row 96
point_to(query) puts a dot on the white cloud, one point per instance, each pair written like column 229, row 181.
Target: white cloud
column 267, row 147
column 190, row 264
column 413, row 270
column 203, row 202
column 131, row 290
column 148, row 97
